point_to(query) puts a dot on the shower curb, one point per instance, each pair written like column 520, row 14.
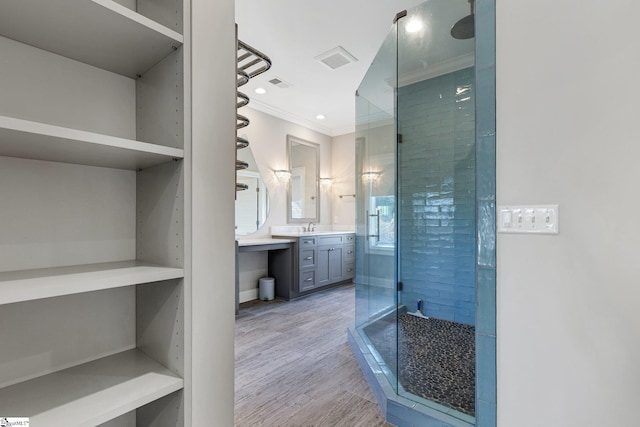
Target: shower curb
column 396, row 409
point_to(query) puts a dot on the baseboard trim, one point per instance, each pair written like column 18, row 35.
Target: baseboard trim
column 248, row 295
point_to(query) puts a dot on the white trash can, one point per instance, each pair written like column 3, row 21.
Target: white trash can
column 266, row 288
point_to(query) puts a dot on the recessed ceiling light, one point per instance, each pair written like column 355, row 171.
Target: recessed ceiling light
column 320, row 117
column 260, row 91
column 414, row 25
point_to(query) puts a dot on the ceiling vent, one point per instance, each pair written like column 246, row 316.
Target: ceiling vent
column 276, row 81
column 336, row 58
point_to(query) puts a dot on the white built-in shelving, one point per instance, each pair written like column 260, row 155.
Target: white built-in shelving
column 91, row 393
column 101, row 33
column 93, row 121
column 40, row 141
column 27, row 285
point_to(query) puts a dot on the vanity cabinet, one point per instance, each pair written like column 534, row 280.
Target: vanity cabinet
column 322, row 260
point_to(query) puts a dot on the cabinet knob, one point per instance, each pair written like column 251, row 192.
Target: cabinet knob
column 349, row 252
column 308, row 258
column 307, row 241
column 349, row 270
column 308, row 280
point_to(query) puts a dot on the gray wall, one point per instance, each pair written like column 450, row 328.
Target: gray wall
column 567, row 133
column 343, row 159
column 267, row 136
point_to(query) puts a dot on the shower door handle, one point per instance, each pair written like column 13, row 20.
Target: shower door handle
column 377, row 215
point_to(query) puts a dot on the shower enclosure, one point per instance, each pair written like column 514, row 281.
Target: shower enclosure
column 416, row 211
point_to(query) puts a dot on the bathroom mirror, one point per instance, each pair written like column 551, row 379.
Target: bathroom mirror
column 252, row 204
column 303, row 202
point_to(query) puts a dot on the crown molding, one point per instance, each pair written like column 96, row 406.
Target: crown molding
column 293, row 118
column 344, row 130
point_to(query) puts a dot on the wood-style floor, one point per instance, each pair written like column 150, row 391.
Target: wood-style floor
column 294, row 367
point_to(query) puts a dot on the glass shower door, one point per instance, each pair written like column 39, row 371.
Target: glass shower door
column 415, row 215
column 376, row 297
column 435, row 114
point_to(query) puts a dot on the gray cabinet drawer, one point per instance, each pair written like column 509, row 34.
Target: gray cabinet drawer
column 329, row 240
column 349, row 252
column 349, row 270
column 307, row 242
column 307, row 280
column 307, row 258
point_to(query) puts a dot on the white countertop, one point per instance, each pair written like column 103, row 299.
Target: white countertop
column 311, row 233
column 262, row 241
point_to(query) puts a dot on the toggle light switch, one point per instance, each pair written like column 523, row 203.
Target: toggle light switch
column 506, row 218
column 536, row 219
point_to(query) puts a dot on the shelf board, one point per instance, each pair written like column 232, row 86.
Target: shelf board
column 27, row 285
column 91, row 393
column 101, row 33
column 41, row 141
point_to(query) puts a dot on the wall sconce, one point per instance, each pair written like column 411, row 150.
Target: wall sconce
column 371, row 176
column 326, row 182
column 282, row 175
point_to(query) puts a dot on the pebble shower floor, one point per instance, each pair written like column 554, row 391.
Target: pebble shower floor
column 436, row 358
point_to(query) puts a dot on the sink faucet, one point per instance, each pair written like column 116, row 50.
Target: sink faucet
column 311, row 227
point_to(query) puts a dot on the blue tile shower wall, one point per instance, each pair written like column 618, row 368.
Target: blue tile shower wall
column 437, row 195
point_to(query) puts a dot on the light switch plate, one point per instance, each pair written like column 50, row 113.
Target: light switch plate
column 534, row 219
